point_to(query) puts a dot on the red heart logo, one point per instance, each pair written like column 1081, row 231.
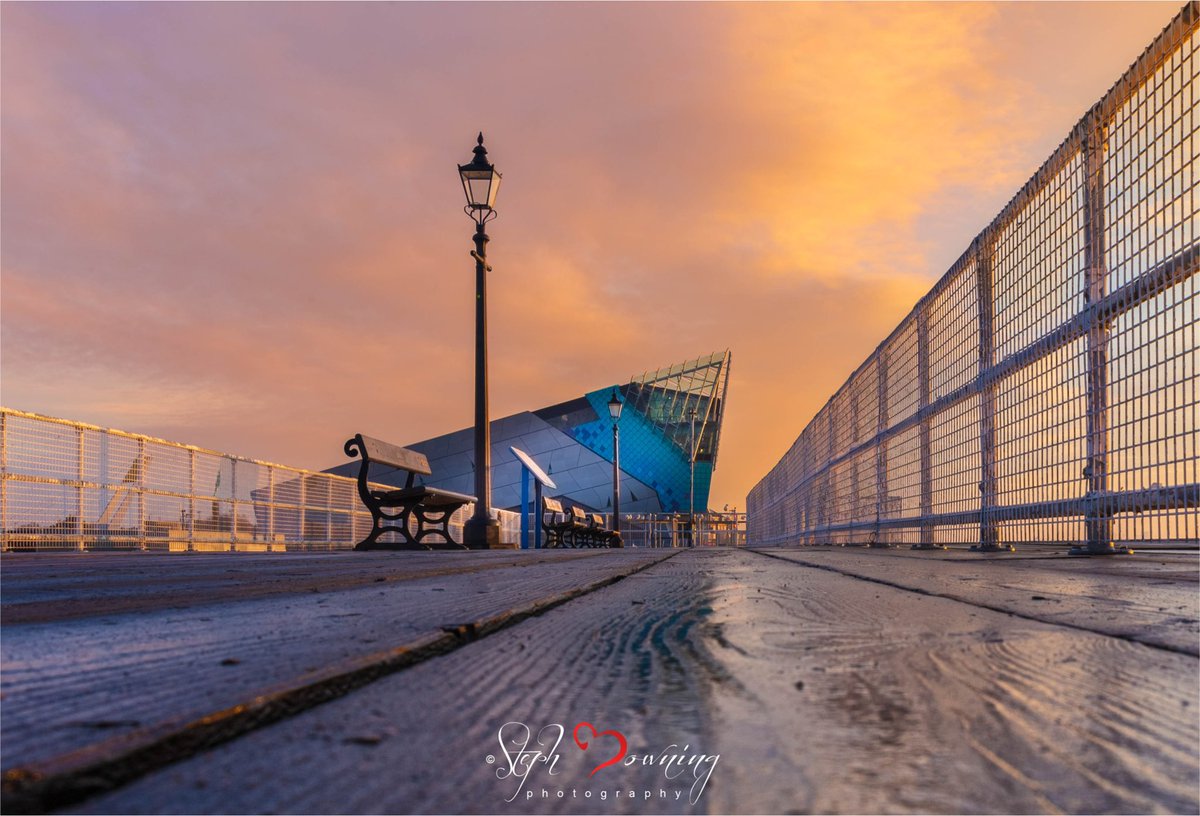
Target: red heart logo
column 584, row 746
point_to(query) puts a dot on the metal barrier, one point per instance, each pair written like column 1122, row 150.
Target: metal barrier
column 673, row 529
column 1046, row 389
column 69, row 485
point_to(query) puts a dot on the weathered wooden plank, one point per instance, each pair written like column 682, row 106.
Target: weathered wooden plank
column 817, row 692
column 1153, row 598
column 127, row 677
column 45, row 587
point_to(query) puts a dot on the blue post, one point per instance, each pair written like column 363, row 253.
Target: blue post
column 537, row 503
column 524, row 508
column 530, row 470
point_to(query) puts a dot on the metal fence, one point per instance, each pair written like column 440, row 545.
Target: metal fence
column 1046, row 389
column 69, row 485
column 713, row 529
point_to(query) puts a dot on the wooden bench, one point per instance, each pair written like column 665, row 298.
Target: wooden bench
column 603, row 536
column 575, row 528
column 394, row 510
column 557, row 524
column 582, row 533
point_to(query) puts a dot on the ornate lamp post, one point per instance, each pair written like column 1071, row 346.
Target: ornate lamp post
column 481, row 181
column 614, row 410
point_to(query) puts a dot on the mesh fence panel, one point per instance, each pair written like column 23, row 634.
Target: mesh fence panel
column 70, row 486
column 1047, row 389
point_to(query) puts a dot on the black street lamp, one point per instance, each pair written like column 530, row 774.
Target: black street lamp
column 692, row 477
column 480, row 182
column 614, row 411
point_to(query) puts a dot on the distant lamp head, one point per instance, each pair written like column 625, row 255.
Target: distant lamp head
column 614, row 406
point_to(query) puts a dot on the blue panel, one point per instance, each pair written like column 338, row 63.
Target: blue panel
column 647, row 454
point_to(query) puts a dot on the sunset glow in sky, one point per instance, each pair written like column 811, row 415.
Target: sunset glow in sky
column 240, row 225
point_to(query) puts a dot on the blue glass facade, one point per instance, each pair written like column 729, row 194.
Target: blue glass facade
column 647, row 453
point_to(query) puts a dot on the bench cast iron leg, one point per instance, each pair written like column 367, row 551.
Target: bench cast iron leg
column 437, row 522
column 398, row 524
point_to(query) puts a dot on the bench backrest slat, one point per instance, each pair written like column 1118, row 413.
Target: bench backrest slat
column 386, row 453
column 578, row 515
column 550, row 505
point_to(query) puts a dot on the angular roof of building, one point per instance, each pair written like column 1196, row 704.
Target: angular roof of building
column 668, row 396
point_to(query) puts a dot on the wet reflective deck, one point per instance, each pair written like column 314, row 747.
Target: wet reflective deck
column 805, row 680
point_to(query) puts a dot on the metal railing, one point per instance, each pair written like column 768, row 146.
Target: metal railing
column 674, row 530
column 1046, row 389
column 73, row 486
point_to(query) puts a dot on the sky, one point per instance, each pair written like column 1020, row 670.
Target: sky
column 240, row 226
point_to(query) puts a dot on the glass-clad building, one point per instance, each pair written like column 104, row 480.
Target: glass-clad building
column 667, row 414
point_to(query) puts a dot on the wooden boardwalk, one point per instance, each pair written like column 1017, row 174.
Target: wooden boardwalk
column 814, row 680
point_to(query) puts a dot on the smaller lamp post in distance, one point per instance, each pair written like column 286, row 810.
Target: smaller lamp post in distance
column 481, row 181
column 614, row 410
column 692, row 479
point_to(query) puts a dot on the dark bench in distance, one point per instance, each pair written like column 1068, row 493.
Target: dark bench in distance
column 603, row 536
column 392, row 510
column 556, row 524
column 574, row 529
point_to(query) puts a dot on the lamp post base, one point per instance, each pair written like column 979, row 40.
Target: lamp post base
column 481, row 534
column 1111, row 549
column 993, row 547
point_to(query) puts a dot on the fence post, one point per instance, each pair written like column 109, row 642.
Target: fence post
column 1098, row 518
column 881, row 367
column 141, row 482
column 232, row 504
column 104, row 495
column 855, row 487
column 829, row 485
column 4, row 479
column 79, row 473
column 191, row 526
column 303, row 511
column 989, row 537
column 329, row 514
column 271, row 510
column 926, row 541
